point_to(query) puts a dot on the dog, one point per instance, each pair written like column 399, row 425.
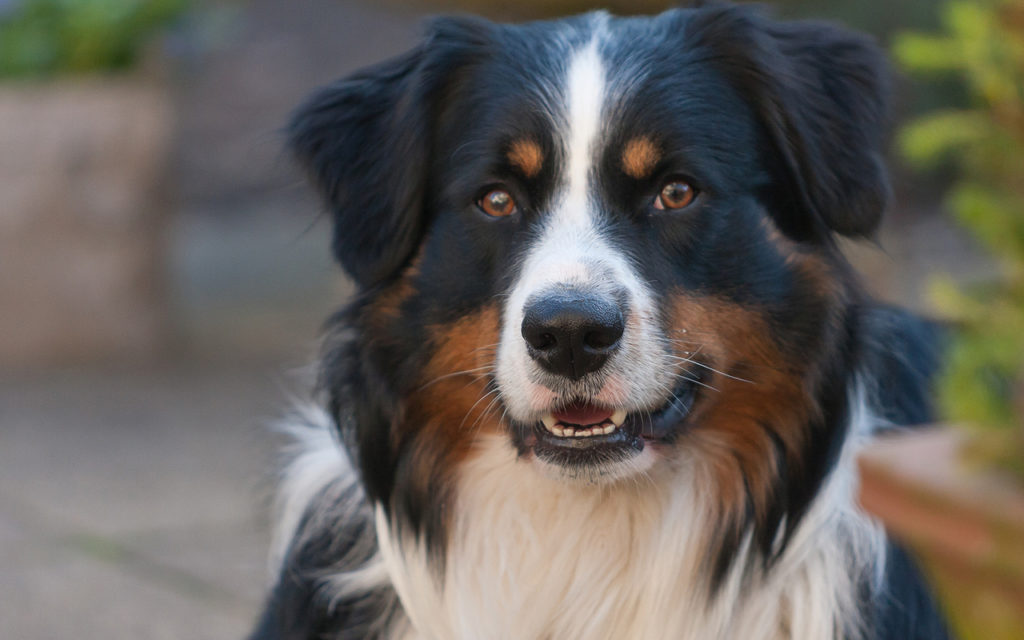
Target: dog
column 606, row 371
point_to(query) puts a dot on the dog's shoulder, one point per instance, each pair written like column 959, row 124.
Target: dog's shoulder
column 330, row 581
column 903, row 609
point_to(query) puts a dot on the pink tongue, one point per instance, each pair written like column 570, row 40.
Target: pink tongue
column 583, row 414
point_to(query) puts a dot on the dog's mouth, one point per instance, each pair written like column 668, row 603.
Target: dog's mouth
column 580, row 433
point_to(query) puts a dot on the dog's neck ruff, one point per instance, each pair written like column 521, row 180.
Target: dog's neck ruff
column 530, row 557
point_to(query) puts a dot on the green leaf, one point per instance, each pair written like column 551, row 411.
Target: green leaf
column 994, row 216
column 931, row 138
column 47, row 37
column 927, row 54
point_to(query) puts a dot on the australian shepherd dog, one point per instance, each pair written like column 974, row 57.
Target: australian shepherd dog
column 606, row 371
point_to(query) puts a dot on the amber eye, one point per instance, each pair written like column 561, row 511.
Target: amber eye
column 676, row 194
column 497, row 203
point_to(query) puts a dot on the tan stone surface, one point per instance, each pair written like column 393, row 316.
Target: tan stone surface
column 81, row 209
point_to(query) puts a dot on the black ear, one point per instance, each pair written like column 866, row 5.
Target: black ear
column 365, row 142
column 821, row 94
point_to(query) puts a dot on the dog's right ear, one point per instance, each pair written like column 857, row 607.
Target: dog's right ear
column 365, row 142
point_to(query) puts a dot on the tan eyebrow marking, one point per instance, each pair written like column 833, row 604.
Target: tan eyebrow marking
column 639, row 157
column 527, row 156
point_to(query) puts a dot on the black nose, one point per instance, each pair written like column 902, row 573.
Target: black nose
column 571, row 334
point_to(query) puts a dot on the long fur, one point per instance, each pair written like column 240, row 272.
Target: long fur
column 815, row 590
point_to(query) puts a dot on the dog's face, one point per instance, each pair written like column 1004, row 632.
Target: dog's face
column 609, row 240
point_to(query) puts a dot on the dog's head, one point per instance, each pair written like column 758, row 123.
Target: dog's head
column 610, row 240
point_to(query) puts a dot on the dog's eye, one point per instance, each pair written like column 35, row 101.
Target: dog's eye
column 676, row 194
column 497, row 203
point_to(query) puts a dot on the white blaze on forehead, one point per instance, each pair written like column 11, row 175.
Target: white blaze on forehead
column 586, row 92
column 570, row 240
column 573, row 249
column 570, row 237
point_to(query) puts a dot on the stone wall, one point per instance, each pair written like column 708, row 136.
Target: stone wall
column 82, row 202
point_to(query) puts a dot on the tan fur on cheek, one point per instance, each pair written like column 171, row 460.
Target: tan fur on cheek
column 526, row 155
column 453, row 401
column 639, row 157
column 764, row 402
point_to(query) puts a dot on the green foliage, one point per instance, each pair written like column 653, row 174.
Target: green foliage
column 983, row 46
column 50, row 37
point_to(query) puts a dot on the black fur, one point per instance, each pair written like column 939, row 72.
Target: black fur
column 904, row 609
column 821, row 94
column 903, row 353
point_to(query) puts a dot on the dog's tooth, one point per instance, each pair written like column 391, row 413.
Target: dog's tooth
column 558, row 431
column 569, row 432
column 548, row 420
column 608, row 428
column 618, row 417
column 583, row 433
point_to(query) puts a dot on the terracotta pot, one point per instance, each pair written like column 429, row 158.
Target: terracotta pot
column 965, row 525
column 81, row 209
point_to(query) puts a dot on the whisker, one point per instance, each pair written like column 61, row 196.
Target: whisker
column 692, row 360
column 709, row 368
column 479, row 400
column 698, row 382
column 457, row 373
column 476, row 426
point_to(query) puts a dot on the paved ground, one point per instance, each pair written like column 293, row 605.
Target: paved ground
column 131, row 502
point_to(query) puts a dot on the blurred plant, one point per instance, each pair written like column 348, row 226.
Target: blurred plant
column 51, row 37
column 984, row 45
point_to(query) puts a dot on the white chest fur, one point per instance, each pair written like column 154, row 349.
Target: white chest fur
column 530, row 557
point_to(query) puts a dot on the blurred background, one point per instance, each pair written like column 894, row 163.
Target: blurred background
column 164, row 273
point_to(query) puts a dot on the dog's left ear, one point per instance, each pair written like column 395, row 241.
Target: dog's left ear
column 821, row 94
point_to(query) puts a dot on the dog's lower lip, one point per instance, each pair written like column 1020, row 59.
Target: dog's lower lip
column 619, row 427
